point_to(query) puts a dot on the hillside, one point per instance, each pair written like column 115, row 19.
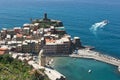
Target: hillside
column 13, row 69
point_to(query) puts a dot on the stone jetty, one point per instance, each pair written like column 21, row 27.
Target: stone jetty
column 86, row 53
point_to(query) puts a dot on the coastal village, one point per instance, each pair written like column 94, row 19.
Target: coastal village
column 35, row 42
column 46, row 34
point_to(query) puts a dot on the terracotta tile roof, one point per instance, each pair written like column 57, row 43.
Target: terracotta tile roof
column 50, row 40
column 19, row 35
column 2, row 52
column 28, row 37
column 3, row 49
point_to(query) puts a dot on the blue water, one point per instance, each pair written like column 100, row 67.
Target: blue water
column 77, row 15
column 77, row 69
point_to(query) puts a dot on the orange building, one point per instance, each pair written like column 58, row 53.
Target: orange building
column 3, row 51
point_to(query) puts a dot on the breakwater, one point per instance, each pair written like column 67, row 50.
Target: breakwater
column 86, row 53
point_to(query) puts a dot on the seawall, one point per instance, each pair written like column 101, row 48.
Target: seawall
column 86, row 53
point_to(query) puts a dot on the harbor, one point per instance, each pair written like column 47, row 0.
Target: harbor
column 25, row 29
column 89, row 54
column 41, row 42
column 31, row 60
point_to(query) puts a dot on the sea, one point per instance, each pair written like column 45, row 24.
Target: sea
column 96, row 22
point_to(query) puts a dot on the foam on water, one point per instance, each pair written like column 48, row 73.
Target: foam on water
column 99, row 25
column 76, row 15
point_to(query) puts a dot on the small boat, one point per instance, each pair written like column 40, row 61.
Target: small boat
column 106, row 21
column 89, row 71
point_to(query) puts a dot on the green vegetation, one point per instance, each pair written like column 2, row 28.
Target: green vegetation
column 13, row 69
column 47, row 24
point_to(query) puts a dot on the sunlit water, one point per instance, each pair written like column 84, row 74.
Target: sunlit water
column 78, row 17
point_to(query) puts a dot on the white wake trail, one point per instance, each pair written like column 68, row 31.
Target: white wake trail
column 98, row 26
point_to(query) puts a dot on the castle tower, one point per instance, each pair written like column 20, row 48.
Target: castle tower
column 45, row 17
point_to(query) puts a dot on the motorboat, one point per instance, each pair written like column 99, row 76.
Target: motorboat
column 89, row 71
column 106, row 21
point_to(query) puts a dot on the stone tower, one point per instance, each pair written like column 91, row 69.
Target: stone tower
column 77, row 42
column 45, row 17
column 42, row 58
